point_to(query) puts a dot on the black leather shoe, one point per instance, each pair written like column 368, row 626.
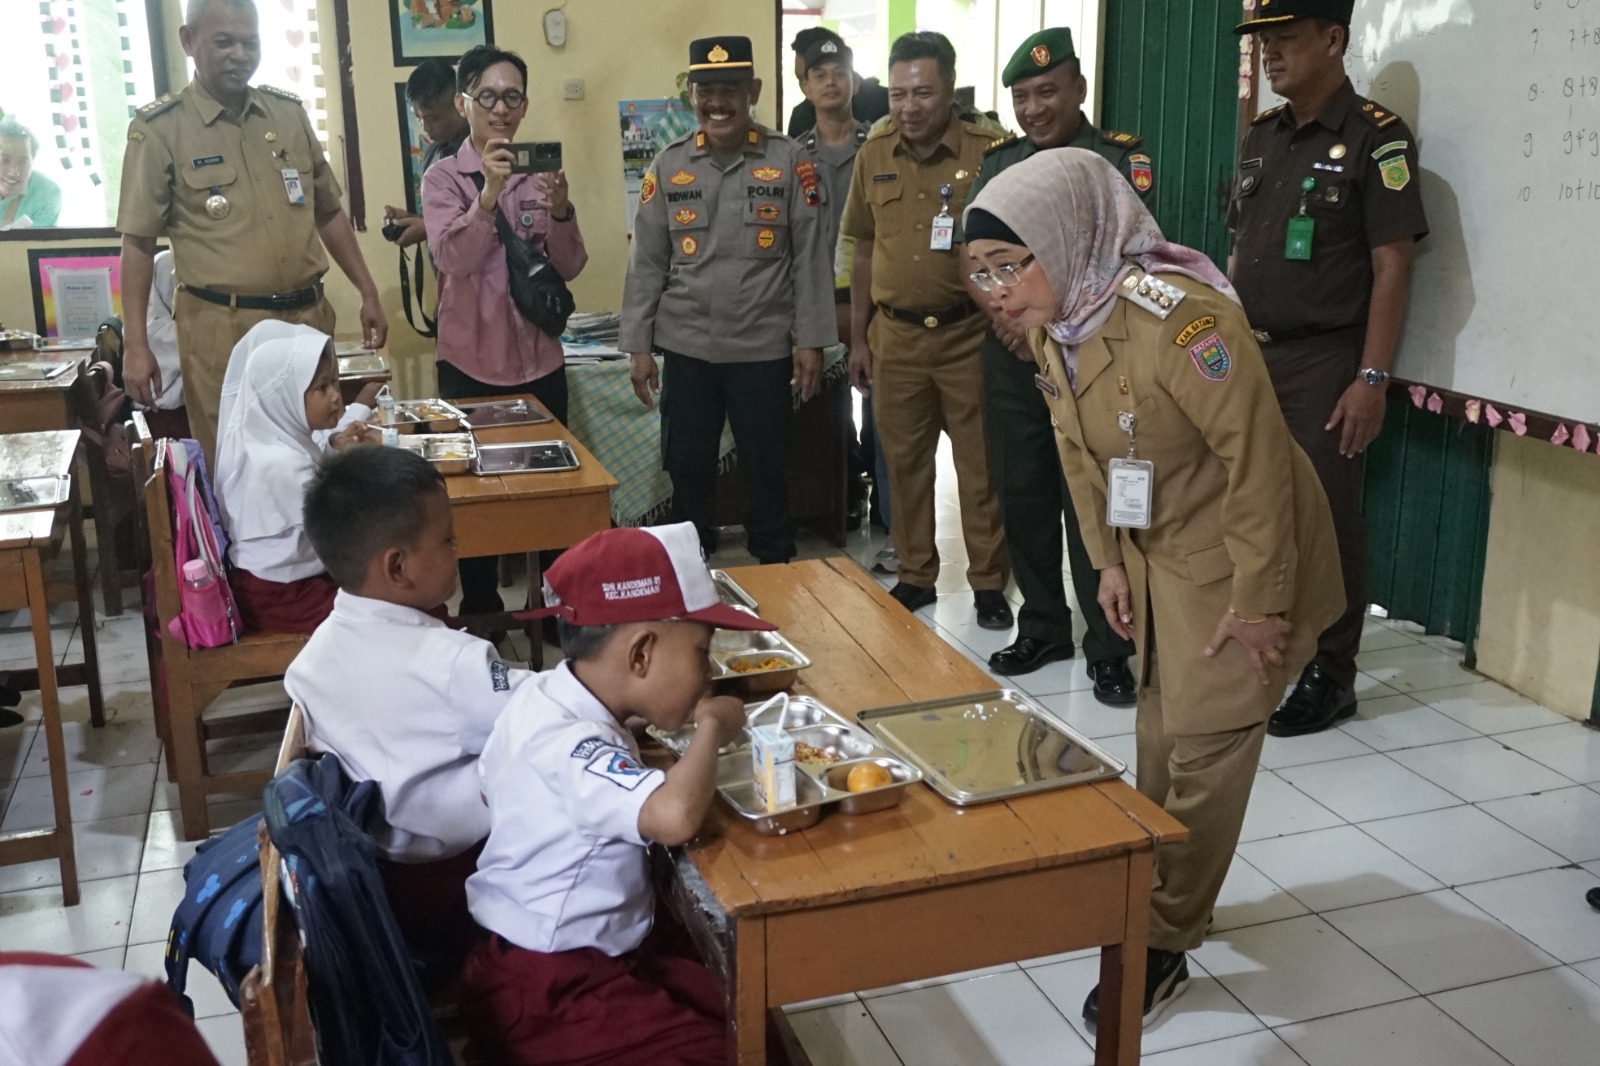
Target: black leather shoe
column 913, row 597
column 1113, row 683
column 1025, row 655
column 1316, row 703
column 1166, row 975
column 993, row 610
column 1593, row 896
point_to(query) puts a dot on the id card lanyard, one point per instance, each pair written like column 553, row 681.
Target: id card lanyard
column 943, row 231
column 1130, row 483
column 291, row 179
column 1298, row 245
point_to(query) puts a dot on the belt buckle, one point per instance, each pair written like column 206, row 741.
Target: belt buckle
column 932, row 321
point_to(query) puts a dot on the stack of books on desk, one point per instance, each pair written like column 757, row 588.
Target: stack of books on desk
column 591, row 337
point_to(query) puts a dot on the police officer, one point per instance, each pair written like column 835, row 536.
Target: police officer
column 918, row 356
column 1326, row 214
column 728, row 274
column 234, row 177
column 1047, row 93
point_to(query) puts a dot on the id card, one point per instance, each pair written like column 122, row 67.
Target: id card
column 1129, row 485
column 291, row 185
column 942, row 237
column 1298, row 246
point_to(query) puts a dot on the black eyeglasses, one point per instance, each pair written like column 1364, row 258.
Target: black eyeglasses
column 488, row 99
column 1003, row 277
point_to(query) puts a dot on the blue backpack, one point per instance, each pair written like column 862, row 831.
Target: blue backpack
column 218, row 921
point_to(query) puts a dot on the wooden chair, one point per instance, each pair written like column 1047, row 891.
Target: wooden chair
column 114, row 493
column 196, row 677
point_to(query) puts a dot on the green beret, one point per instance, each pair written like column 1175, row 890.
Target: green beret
column 1045, row 50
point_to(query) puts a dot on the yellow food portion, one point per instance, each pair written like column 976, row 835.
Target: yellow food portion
column 753, row 666
column 868, row 776
column 808, row 753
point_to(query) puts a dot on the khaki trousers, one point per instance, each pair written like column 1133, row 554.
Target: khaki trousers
column 925, row 381
column 1204, row 782
column 207, row 333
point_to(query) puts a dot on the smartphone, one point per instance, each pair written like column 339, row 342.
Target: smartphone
column 536, row 157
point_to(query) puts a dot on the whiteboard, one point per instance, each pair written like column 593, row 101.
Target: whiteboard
column 1504, row 98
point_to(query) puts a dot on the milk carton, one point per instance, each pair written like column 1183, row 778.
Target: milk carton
column 772, row 758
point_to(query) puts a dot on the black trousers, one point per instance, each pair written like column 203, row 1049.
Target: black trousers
column 480, row 577
column 1026, row 470
column 697, row 397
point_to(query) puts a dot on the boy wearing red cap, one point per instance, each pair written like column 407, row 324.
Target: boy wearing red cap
column 566, row 974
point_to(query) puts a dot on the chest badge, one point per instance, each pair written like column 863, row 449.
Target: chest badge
column 766, row 173
column 1332, row 194
column 217, row 206
column 689, row 245
column 271, row 137
column 1336, row 152
column 526, row 218
column 682, row 177
column 1248, row 183
column 685, row 216
column 765, row 238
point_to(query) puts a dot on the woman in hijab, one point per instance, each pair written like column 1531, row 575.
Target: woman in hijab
column 1207, row 523
column 280, row 399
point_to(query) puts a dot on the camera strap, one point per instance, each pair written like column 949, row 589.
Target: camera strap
column 429, row 327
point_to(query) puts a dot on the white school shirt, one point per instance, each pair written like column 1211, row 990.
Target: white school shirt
column 565, row 866
column 47, row 1012
column 406, row 701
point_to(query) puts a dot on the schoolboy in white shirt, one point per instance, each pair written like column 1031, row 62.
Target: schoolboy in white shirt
column 567, row 974
column 398, row 696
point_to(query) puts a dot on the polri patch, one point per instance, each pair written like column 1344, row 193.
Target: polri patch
column 767, row 212
column 500, row 675
column 766, row 173
column 682, row 177
column 1396, row 173
column 618, row 767
column 689, row 246
column 686, row 216
column 1212, row 358
column 647, row 188
column 1194, row 329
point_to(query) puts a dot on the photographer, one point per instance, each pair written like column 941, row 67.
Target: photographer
column 431, row 92
column 486, row 346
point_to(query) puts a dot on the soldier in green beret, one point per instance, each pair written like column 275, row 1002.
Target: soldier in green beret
column 1047, row 92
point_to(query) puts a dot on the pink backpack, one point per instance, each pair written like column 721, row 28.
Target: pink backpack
column 207, row 617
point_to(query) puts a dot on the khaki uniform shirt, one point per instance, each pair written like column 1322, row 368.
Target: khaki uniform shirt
column 1237, row 517
column 893, row 200
column 186, row 148
column 1367, row 192
column 728, row 265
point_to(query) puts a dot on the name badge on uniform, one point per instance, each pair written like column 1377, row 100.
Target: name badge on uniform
column 942, row 234
column 1129, row 487
column 292, row 186
column 1046, row 386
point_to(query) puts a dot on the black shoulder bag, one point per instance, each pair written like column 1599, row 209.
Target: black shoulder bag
column 429, row 327
column 537, row 288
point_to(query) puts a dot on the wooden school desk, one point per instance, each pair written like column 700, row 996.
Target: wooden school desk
column 926, row 888
column 29, row 539
column 32, row 406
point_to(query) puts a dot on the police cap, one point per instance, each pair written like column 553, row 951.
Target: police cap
column 721, row 59
column 1270, row 13
column 1045, row 50
column 827, row 51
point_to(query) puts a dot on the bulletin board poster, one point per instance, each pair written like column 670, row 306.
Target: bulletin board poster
column 75, row 290
column 647, row 127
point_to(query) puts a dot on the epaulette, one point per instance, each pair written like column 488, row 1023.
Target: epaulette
column 1120, row 139
column 1000, row 143
column 1158, row 297
column 1270, row 112
column 1378, row 116
column 882, row 128
column 165, row 103
column 282, row 94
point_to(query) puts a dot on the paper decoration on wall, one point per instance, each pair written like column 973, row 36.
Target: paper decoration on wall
column 1580, row 438
column 64, row 74
column 1492, row 416
column 1474, row 410
column 1436, row 403
column 1519, row 423
column 1419, row 393
column 1560, row 436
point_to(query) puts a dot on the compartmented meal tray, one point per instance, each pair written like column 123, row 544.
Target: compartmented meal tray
column 34, row 493
column 450, row 453
column 732, row 593
column 504, row 413
column 531, row 457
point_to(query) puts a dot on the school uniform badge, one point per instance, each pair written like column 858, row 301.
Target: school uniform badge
column 1140, row 170
column 765, row 238
column 1396, row 172
column 647, row 188
column 1212, row 358
column 500, row 676
column 618, row 767
column 682, row 177
column 685, row 216
column 767, row 174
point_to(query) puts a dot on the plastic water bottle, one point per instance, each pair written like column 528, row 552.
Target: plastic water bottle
column 205, row 601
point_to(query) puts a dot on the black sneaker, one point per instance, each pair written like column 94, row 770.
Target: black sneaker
column 1166, row 975
column 1316, row 703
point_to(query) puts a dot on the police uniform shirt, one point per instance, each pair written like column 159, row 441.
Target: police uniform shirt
column 1363, row 161
column 893, row 200
column 728, row 262
column 835, row 163
column 187, row 149
column 1121, row 150
column 406, row 701
column 565, row 866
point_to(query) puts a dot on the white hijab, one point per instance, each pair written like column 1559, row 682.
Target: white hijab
column 265, row 451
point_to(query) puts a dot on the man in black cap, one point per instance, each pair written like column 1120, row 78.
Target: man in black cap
column 1326, row 213
column 1047, row 94
column 869, row 100
column 730, row 281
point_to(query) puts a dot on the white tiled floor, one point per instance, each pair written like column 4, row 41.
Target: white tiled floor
column 1407, row 890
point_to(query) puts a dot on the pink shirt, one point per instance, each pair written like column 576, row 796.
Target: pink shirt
column 481, row 332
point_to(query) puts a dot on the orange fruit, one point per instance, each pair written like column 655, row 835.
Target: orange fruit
column 868, row 776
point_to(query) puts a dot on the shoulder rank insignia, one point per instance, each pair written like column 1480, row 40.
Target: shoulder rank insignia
column 165, row 103
column 1270, row 112
column 1001, row 142
column 752, row 137
column 1378, row 116
column 282, row 94
column 1120, row 139
column 1158, row 297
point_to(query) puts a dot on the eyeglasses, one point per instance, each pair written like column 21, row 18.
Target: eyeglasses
column 1002, row 277
column 489, row 99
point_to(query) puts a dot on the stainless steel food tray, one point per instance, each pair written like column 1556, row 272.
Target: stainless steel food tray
column 734, row 645
column 530, row 457
column 450, row 453
column 818, row 786
column 989, row 746
column 504, row 413
column 421, row 416
column 34, row 493
column 362, row 363
column 732, row 593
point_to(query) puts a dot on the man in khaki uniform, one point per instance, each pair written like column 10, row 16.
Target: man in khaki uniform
column 918, row 355
column 234, row 177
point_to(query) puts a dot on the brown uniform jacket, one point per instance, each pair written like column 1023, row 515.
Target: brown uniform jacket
column 1238, row 517
column 185, row 148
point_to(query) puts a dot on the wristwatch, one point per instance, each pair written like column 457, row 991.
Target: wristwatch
column 1375, row 377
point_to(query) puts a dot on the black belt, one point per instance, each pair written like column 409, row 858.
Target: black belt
column 932, row 319
column 274, row 301
column 1284, row 336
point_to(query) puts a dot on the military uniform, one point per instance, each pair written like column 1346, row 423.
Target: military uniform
column 240, row 198
column 1022, row 452
column 1360, row 162
column 728, row 274
column 1237, row 520
column 926, row 371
